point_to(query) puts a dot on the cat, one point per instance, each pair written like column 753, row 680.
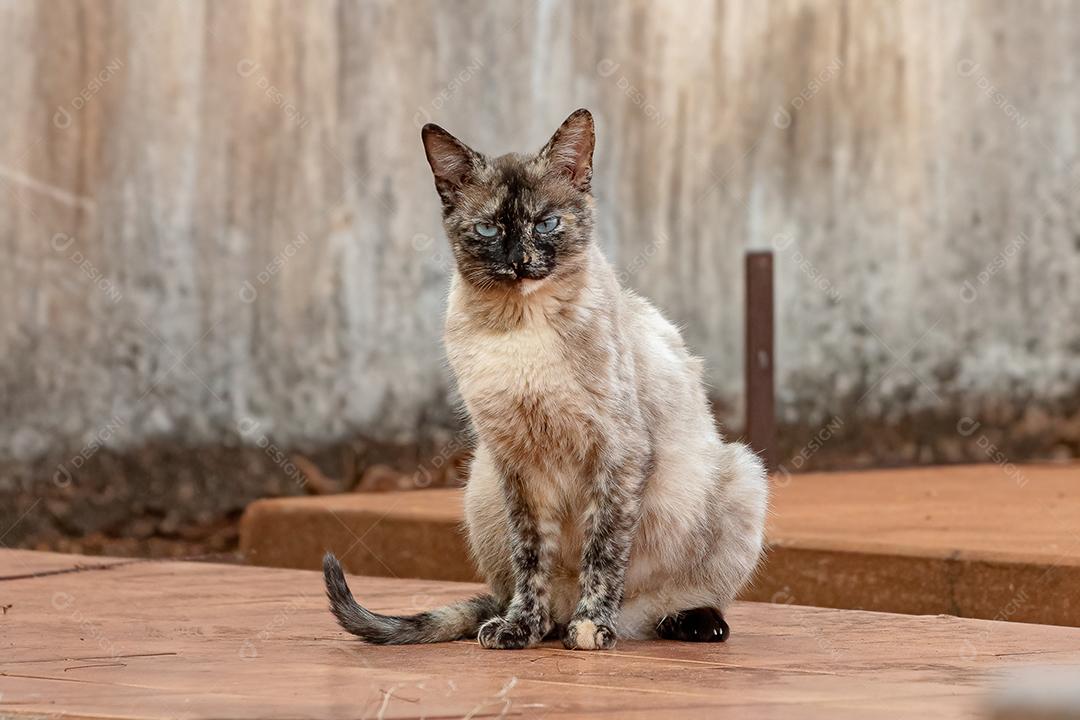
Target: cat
column 601, row 500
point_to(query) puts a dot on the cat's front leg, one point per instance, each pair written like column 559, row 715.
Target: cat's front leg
column 528, row 617
column 612, row 521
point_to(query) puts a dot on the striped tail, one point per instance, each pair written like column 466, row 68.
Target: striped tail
column 454, row 622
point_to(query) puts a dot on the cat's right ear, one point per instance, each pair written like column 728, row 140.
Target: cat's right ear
column 452, row 161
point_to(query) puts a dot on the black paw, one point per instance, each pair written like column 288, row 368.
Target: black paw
column 508, row 634
column 697, row 625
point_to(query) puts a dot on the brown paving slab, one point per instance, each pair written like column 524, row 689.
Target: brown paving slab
column 191, row 640
column 985, row 541
column 1029, row 513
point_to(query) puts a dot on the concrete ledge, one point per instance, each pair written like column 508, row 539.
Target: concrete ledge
column 981, row 541
column 415, row 534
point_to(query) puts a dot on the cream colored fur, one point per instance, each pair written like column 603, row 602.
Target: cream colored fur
column 549, row 371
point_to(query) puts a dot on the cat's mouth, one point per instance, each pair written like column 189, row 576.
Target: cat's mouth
column 522, row 275
column 528, row 273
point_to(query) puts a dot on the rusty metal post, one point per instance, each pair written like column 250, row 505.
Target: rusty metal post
column 760, row 392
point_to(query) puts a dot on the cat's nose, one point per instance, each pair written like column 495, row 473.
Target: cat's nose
column 515, row 258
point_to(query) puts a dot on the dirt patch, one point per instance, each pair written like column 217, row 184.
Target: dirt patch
column 168, row 501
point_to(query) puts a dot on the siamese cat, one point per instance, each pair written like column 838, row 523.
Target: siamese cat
column 601, row 500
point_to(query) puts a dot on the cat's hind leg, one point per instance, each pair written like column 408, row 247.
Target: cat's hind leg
column 674, row 613
column 685, row 601
column 703, row 624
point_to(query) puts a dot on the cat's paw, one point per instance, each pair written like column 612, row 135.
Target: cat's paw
column 701, row 624
column 586, row 634
column 508, row 634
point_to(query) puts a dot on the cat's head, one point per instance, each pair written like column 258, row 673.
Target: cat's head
column 515, row 220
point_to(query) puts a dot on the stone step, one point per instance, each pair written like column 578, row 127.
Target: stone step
column 983, row 541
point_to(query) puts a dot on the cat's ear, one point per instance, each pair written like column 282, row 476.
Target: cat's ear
column 452, row 161
column 570, row 149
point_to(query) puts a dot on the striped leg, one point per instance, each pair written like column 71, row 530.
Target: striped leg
column 613, row 519
column 528, row 618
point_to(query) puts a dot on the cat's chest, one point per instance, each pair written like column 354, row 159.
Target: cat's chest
column 530, row 362
column 523, row 392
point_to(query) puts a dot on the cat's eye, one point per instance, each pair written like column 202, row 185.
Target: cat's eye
column 547, row 225
column 485, row 230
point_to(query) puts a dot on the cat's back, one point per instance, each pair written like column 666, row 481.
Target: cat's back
column 658, row 344
column 669, row 382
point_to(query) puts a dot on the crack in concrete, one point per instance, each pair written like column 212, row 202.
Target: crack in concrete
column 76, row 569
column 80, row 567
column 124, row 656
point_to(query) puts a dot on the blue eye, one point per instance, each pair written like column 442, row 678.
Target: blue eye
column 547, row 225
column 485, row 230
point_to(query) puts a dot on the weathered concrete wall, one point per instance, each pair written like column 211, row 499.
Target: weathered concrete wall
column 218, row 222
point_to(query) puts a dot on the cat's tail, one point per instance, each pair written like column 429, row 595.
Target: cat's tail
column 454, row 622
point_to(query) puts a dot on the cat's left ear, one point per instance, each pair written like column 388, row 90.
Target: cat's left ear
column 570, row 149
